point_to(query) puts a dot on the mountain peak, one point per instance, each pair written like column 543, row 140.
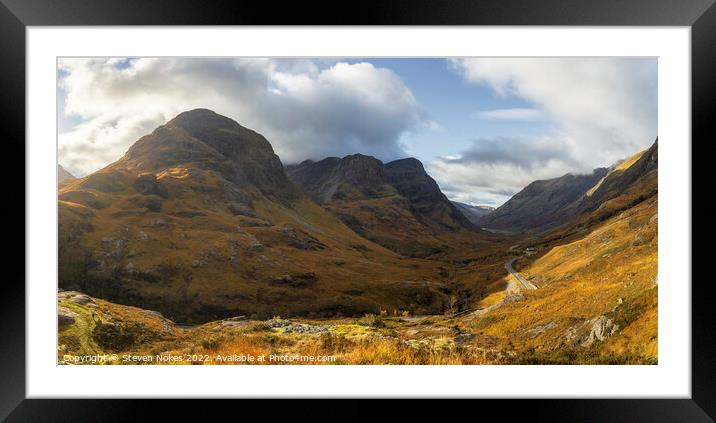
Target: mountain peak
column 427, row 201
column 202, row 118
column 410, row 163
column 204, row 139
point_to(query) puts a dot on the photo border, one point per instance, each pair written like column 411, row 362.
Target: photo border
column 15, row 15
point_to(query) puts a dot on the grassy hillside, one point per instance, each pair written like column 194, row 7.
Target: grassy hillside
column 199, row 224
column 201, row 230
column 597, row 296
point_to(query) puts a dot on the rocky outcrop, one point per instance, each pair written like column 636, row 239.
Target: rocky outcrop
column 65, row 316
column 427, row 202
column 596, row 329
column 296, row 280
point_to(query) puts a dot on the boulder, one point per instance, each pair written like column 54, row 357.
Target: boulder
column 65, row 316
column 300, row 239
column 80, row 299
column 242, row 209
column 600, row 328
column 296, row 280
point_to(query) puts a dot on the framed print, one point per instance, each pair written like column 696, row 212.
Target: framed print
column 437, row 200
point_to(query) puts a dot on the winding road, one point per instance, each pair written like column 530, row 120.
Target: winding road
column 524, row 282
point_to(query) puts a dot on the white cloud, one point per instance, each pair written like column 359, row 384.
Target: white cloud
column 487, row 175
column 600, row 110
column 511, row 114
column 306, row 109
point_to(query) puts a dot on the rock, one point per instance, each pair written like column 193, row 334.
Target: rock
column 300, row 240
column 113, row 248
column 256, row 223
column 540, row 329
column 148, row 184
column 63, row 295
column 65, row 316
column 255, row 247
column 74, row 297
column 277, row 323
column 596, row 329
column 189, row 213
column 153, row 314
column 81, row 299
column 233, row 324
column 464, row 337
column 198, row 263
column 158, row 224
column 237, row 208
column 296, row 280
column 513, row 298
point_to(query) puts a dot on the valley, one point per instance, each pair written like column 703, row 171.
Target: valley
column 200, row 242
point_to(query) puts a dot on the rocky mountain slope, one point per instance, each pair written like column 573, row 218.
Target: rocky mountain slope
column 199, row 223
column 397, row 205
column 596, row 276
column 198, row 220
column 548, row 204
column 542, row 204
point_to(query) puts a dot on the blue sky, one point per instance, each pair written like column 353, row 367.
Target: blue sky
column 483, row 127
column 453, row 102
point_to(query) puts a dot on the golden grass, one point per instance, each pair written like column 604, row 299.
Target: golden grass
column 609, row 272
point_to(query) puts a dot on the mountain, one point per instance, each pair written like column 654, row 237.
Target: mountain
column 62, row 174
column 625, row 185
column 548, row 204
column 397, row 205
column 473, row 213
column 199, row 221
column 217, row 144
column 427, row 202
column 542, row 204
column 354, row 177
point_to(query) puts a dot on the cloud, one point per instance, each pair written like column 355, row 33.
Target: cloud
column 599, row 110
column 305, row 108
column 511, row 114
column 491, row 171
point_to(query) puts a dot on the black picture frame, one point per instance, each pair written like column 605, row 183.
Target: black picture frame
column 16, row 15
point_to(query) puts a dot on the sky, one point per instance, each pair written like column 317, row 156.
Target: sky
column 483, row 127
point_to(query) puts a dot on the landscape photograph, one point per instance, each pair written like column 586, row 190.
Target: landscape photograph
column 357, row 211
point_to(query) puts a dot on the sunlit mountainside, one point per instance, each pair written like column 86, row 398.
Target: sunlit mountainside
column 199, row 238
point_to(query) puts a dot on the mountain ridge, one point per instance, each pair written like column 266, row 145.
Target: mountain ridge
column 199, row 221
column 547, row 204
column 396, row 204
